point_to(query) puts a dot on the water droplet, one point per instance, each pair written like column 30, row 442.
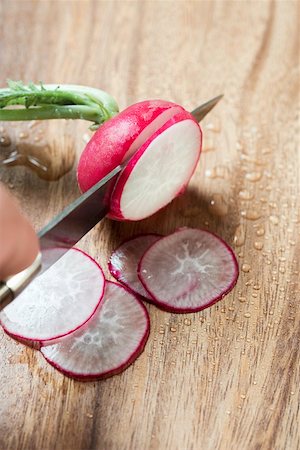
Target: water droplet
column 274, row 220
column 239, row 237
column 173, row 329
column 247, row 315
column 251, row 214
column 218, row 172
column 253, row 176
column 187, row 322
column 242, row 299
column 246, row 195
column 258, row 245
column 215, row 126
column 273, row 205
column 37, row 138
column 246, row 268
column 23, row 135
column 243, row 396
column 218, row 205
column 282, row 269
column 256, row 287
column 5, row 140
column 260, row 231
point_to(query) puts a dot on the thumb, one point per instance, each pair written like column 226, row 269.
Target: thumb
column 19, row 244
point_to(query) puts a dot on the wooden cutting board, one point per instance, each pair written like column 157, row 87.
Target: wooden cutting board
column 225, row 378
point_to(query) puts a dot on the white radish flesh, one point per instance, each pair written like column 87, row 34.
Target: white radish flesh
column 188, row 270
column 110, row 341
column 118, row 138
column 158, row 171
column 123, row 263
column 57, row 302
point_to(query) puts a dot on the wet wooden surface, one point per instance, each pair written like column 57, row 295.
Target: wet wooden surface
column 225, row 378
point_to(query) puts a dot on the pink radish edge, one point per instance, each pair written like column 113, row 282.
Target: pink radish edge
column 120, row 368
column 171, row 309
column 115, row 212
column 37, row 343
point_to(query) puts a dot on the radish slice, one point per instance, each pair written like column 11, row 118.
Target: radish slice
column 58, row 302
column 188, row 270
column 159, row 171
column 123, row 263
column 108, row 343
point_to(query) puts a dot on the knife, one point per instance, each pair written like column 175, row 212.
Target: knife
column 74, row 222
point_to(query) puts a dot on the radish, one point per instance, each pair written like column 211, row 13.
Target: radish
column 162, row 143
column 123, row 263
column 108, row 343
column 57, row 302
column 188, row 270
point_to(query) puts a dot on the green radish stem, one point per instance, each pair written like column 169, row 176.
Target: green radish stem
column 50, row 101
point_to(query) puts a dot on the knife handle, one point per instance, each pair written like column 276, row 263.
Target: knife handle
column 13, row 285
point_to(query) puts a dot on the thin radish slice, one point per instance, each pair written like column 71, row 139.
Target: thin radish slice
column 188, row 270
column 108, row 343
column 58, row 302
column 159, row 171
column 123, row 263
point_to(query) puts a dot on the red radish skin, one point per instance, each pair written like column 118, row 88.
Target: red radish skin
column 38, row 313
column 159, row 171
column 119, row 137
column 123, row 263
column 72, row 356
column 162, row 270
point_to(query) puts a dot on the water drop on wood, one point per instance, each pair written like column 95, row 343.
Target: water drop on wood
column 246, row 195
column 258, row 245
column 253, row 176
column 246, row 268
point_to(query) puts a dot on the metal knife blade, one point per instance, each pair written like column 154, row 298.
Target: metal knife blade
column 76, row 220
column 200, row 112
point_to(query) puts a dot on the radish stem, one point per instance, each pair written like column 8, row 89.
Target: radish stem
column 49, row 101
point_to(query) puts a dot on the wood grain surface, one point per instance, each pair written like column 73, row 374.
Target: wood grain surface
column 225, row 378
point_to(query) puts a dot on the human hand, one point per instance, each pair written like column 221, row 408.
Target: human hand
column 19, row 244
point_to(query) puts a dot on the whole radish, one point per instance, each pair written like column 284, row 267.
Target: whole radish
column 160, row 143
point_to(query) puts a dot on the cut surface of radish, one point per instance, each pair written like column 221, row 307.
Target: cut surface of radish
column 158, row 171
column 188, row 270
column 118, row 139
column 123, row 263
column 57, row 302
column 110, row 341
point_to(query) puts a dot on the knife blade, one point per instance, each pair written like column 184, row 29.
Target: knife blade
column 74, row 222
